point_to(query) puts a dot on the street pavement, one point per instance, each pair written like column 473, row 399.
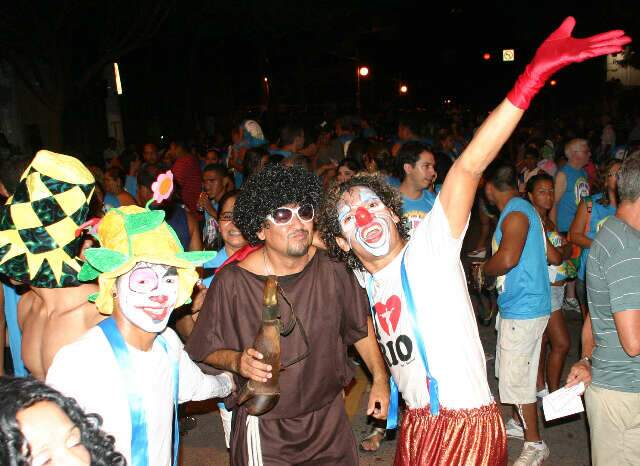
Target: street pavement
column 568, row 439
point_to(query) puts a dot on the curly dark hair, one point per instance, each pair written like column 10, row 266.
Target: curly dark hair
column 21, row 393
column 328, row 220
column 273, row 187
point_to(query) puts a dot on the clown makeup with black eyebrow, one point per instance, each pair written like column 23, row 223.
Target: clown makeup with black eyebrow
column 144, row 273
column 148, row 294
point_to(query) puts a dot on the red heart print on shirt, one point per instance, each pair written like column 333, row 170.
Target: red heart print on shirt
column 389, row 313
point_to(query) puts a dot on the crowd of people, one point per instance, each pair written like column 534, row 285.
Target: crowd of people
column 139, row 283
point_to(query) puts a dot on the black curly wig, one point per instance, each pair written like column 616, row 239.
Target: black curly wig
column 329, row 225
column 270, row 188
column 20, row 393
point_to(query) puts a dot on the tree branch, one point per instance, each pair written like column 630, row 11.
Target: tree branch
column 24, row 76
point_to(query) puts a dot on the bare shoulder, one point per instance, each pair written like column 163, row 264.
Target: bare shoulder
column 26, row 303
column 26, row 300
column 82, row 311
column 253, row 263
column 560, row 179
column 515, row 217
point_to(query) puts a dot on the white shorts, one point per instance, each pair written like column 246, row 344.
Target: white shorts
column 517, row 358
column 557, row 297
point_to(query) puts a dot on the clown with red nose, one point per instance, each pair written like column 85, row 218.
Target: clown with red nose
column 366, row 219
column 417, row 289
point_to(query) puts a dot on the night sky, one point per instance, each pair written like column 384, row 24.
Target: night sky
column 210, row 58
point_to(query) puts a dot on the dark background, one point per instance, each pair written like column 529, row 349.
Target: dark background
column 198, row 59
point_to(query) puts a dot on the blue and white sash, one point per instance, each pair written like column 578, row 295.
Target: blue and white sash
column 434, row 402
column 139, row 434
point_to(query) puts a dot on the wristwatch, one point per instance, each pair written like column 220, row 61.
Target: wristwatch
column 588, row 359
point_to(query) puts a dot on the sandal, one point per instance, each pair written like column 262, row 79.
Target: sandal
column 375, row 437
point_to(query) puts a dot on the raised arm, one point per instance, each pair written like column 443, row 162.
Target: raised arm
column 459, row 188
column 556, row 52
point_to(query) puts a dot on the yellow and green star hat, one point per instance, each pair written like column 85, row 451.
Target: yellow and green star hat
column 38, row 242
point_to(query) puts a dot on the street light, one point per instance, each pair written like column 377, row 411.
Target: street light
column 404, row 89
column 116, row 71
column 553, row 82
column 267, row 91
column 363, row 72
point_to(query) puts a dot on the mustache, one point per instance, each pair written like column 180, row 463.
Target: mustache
column 295, row 232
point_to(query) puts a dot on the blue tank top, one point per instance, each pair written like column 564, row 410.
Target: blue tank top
column 110, row 202
column 15, row 335
column 211, row 267
column 238, row 179
column 577, row 189
column 415, row 210
column 524, row 292
column 599, row 213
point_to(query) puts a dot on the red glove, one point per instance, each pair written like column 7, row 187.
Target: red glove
column 558, row 51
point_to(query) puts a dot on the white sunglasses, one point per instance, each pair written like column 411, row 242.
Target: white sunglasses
column 284, row 215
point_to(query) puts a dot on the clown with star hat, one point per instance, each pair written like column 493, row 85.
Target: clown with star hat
column 131, row 368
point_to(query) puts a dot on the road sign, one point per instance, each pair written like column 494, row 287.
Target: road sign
column 508, row 55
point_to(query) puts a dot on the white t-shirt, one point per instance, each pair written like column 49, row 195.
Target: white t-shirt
column 445, row 317
column 87, row 370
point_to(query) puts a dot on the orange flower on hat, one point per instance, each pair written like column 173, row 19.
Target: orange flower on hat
column 162, row 187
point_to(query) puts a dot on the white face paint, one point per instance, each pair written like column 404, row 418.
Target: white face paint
column 365, row 218
column 147, row 295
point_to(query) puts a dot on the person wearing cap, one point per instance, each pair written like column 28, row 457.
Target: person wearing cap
column 131, row 368
column 39, row 248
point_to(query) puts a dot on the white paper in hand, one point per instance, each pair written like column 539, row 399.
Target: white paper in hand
column 563, row 402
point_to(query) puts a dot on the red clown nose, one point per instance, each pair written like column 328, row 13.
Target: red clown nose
column 161, row 299
column 363, row 217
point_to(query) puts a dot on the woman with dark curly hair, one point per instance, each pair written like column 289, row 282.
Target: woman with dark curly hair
column 38, row 426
